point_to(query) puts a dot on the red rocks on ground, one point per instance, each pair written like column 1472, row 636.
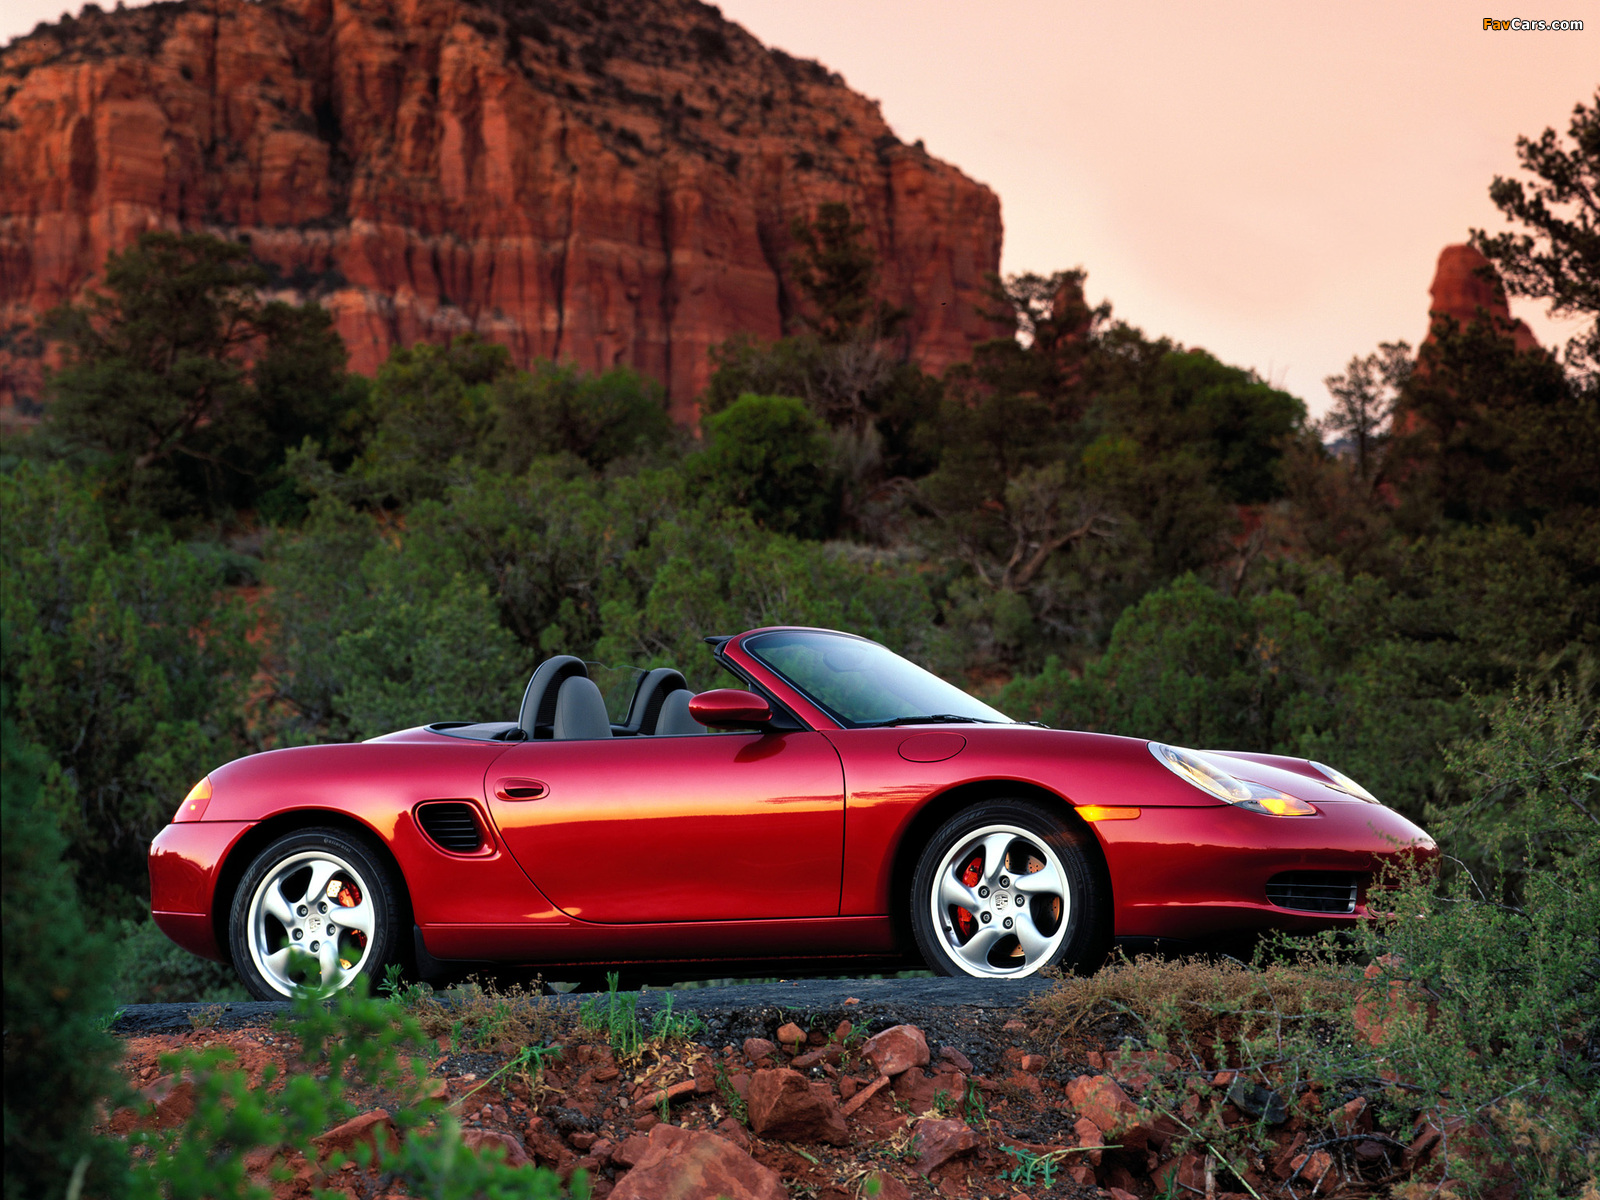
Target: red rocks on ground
column 897, row 1049
column 480, row 1140
column 938, row 1141
column 785, row 1104
column 679, row 1164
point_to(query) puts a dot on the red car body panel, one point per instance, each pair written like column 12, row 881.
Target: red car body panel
column 751, row 846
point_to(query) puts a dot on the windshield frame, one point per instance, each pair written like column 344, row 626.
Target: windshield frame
column 969, row 707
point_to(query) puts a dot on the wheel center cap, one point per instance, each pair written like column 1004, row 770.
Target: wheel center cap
column 1000, row 900
column 313, row 922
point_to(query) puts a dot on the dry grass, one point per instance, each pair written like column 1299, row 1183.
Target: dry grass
column 478, row 1016
column 1200, row 1002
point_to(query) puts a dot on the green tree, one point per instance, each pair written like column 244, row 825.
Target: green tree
column 1557, row 257
column 374, row 636
column 425, row 418
column 557, row 409
column 58, row 1057
column 836, row 270
column 181, row 388
column 128, row 667
column 768, row 455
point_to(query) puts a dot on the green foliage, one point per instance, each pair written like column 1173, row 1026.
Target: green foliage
column 426, row 413
column 836, row 270
column 1556, row 256
column 181, row 389
column 128, row 667
column 349, row 1043
column 767, row 455
column 153, row 969
column 557, row 409
column 57, row 1054
column 377, row 635
column 615, row 1015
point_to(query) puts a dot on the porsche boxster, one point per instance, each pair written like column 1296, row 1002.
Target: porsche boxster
column 839, row 807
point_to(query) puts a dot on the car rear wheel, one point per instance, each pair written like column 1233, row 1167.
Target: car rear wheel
column 316, row 907
column 1006, row 889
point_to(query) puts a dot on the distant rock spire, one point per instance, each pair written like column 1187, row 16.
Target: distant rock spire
column 1464, row 283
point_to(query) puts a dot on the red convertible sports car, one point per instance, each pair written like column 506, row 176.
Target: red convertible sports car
column 840, row 806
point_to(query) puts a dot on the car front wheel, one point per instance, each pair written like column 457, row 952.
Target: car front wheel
column 1005, row 889
column 317, row 907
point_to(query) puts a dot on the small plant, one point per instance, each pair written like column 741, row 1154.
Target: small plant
column 207, row 1016
column 616, row 1016
column 1030, row 1167
column 973, row 1107
column 667, row 1025
column 944, row 1103
column 738, row 1109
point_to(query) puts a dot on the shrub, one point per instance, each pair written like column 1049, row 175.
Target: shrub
column 57, row 1053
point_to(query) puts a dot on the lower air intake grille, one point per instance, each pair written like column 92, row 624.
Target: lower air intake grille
column 1314, row 891
column 452, row 826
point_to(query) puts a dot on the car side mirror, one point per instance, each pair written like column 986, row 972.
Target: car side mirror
column 730, row 706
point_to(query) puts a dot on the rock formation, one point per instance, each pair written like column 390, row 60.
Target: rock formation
column 1463, row 284
column 598, row 182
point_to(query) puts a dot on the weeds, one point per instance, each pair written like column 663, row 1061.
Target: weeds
column 616, row 1016
column 207, row 1016
column 738, row 1109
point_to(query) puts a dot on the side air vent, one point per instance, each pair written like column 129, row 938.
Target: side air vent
column 452, row 826
column 1314, row 891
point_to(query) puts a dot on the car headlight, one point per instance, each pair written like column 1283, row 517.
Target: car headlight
column 1209, row 777
column 1344, row 783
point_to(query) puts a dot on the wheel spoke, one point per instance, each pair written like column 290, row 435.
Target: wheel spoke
column 953, row 892
column 321, row 871
column 1046, row 880
column 328, row 960
column 274, row 902
column 278, row 964
column 357, row 916
column 1034, row 943
column 975, row 951
column 994, row 856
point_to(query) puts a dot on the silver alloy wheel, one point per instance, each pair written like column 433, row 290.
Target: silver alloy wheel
column 1013, row 890
column 317, row 903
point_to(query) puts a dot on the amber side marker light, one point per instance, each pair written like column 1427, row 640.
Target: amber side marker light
column 194, row 804
column 1284, row 806
column 1099, row 812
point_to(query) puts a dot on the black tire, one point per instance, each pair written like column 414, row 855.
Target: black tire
column 275, row 899
column 1034, row 894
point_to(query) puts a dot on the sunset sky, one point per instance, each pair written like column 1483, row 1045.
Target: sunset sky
column 1270, row 181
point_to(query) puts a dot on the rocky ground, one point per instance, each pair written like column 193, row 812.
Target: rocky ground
column 931, row 1088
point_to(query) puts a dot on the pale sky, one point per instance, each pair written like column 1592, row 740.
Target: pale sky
column 1271, row 181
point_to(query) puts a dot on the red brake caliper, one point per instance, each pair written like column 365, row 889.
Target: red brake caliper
column 348, row 898
column 965, row 921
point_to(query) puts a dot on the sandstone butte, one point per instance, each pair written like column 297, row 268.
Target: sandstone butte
column 1463, row 284
column 585, row 180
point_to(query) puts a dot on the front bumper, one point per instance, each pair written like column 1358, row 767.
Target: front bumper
column 1189, row 872
column 185, row 860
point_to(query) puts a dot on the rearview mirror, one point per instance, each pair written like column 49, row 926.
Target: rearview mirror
column 729, row 706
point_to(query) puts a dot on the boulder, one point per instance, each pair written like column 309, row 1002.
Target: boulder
column 683, row 1164
column 938, row 1141
column 896, row 1050
column 1099, row 1098
column 479, row 1140
column 785, row 1104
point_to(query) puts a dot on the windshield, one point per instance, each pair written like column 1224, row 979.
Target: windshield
column 858, row 682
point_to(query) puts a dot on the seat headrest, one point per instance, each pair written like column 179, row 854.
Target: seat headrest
column 539, row 701
column 580, row 711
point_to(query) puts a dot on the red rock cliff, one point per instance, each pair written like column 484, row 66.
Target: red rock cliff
column 580, row 179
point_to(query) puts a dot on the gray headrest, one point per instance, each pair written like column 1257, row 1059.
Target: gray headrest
column 539, row 701
column 581, row 710
column 653, row 689
column 675, row 720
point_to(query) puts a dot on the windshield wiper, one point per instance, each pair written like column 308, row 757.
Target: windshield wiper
column 935, row 719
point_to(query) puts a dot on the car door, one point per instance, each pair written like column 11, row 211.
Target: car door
column 716, row 827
